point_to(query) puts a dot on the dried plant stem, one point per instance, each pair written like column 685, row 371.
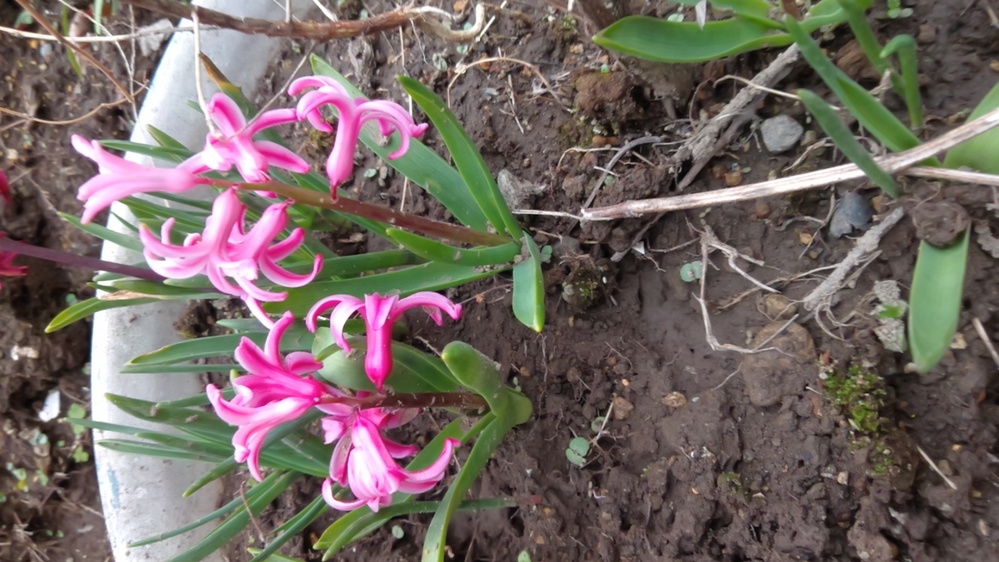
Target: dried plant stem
column 444, row 230
column 40, row 19
column 866, row 245
column 463, row 400
column 427, row 18
column 76, row 260
column 895, row 163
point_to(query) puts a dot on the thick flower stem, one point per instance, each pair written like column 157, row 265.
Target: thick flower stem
column 382, row 214
column 463, row 400
column 75, row 260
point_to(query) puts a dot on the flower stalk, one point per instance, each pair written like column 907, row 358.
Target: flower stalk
column 429, row 227
column 76, row 260
column 462, row 400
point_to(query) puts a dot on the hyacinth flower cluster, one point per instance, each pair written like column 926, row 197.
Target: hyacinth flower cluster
column 279, row 389
column 234, row 255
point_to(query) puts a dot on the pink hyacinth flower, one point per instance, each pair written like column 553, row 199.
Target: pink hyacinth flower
column 365, row 461
column 224, row 250
column 7, row 267
column 353, row 113
column 233, row 144
column 118, row 178
column 5, row 188
column 379, row 314
column 271, row 393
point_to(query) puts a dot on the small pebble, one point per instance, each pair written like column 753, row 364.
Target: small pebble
column 622, row 408
column 781, row 133
column 674, row 400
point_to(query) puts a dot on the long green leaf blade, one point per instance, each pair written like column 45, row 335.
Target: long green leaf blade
column 90, row 306
column 467, row 158
column 435, row 251
column 529, row 288
column 841, row 135
column 935, row 300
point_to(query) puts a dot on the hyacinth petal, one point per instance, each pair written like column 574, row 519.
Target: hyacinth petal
column 432, row 303
column 281, row 157
column 258, row 312
column 398, row 450
column 286, row 278
column 304, row 82
column 272, row 346
column 435, row 471
column 338, row 504
column 271, row 118
column 226, row 114
column 301, row 362
column 284, row 248
column 333, row 429
column 340, row 164
column 334, row 301
column 338, row 320
column 341, row 453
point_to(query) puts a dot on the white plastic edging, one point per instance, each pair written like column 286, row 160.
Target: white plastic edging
column 141, row 496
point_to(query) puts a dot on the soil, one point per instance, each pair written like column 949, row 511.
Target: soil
column 809, row 450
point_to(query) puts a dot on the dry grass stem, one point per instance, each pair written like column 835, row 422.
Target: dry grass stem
column 895, row 163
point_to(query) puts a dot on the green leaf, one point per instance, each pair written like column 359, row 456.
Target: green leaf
column 479, row 374
column 466, row 157
column 420, row 164
column 529, row 288
column 905, row 47
column 156, row 450
column 297, row 338
column 166, row 141
column 982, row 152
column 432, row 250
column 482, row 451
column 90, row 306
column 841, row 135
column 220, row 512
column 431, row 276
column 166, row 154
column 291, row 529
column 866, row 108
column 685, row 42
column 935, row 300
column 412, row 369
column 104, row 233
column 270, row 488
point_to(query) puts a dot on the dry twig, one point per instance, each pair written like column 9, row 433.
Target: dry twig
column 430, row 19
column 866, row 245
column 895, row 163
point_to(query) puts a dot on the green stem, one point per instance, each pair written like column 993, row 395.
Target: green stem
column 76, row 260
column 395, row 218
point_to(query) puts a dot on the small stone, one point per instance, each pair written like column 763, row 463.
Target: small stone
column 674, row 400
column 927, row 34
column 622, row 408
column 852, row 212
column 778, row 307
column 761, row 210
column 733, row 178
column 944, row 467
column 781, row 133
column 843, row 478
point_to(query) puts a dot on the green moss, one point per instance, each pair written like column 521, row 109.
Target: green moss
column 860, row 395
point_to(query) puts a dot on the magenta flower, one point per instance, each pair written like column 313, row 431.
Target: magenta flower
column 7, row 267
column 353, row 113
column 225, row 251
column 118, row 178
column 379, row 313
column 364, row 460
column 5, row 188
column 233, row 144
column 271, row 393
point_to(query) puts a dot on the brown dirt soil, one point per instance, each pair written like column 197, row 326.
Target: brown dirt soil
column 707, row 455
